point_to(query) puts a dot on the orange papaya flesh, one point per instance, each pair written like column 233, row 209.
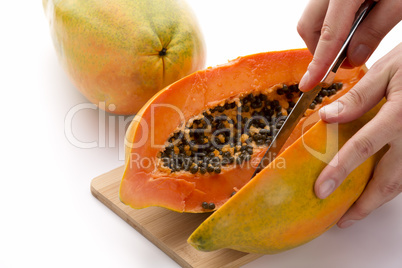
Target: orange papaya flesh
column 145, row 183
column 278, row 210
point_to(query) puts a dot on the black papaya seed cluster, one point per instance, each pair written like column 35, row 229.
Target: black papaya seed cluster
column 229, row 133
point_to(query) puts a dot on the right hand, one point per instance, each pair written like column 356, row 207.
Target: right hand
column 325, row 25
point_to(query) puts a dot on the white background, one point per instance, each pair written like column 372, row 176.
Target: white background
column 48, row 217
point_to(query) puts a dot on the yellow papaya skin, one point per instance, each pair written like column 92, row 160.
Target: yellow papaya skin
column 121, row 52
column 278, row 210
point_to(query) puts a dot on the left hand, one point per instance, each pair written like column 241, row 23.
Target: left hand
column 384, row 79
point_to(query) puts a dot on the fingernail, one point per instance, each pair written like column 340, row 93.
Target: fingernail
column 326, row 188
column 360, row 54
column 304, row 80
column 347, row 223
column 331, row 110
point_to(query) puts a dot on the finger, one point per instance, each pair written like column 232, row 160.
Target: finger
column 385, row 185
column 383, row 79
column 367, row 141
column 373, row 29
column 333, row 34
column 360, row 99
column 310, row 23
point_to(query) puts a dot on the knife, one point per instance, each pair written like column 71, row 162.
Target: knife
column 307, row 97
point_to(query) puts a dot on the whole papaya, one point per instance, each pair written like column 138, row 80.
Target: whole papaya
column 121, row 52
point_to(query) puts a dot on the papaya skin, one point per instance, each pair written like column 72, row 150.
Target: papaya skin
column 122, row 52
column 278, row 210
column 143, row 185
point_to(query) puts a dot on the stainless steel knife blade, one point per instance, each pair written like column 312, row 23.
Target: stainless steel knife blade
column 287, row 127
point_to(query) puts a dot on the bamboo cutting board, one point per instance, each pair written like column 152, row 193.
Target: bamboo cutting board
column 168, row 230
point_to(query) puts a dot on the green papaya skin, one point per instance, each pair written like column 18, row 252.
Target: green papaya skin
column 122, row 52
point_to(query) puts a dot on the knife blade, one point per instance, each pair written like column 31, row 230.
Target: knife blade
column 308, row 97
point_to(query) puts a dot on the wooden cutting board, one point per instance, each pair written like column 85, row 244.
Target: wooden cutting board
column 168, row 230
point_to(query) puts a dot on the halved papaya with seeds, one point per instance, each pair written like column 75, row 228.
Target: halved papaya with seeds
column 198, row 141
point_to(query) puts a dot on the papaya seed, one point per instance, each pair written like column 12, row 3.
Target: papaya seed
column 203, row 170
column 210, row 168
column 194, row 169
column 318, row 99
column 229, row 132
column 324, row 92
column 289, row 96
column 217, row 170
column 278, row 108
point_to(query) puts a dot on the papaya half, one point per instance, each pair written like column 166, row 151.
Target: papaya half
column 194, row 146
column 121, row 52
column 278, row 210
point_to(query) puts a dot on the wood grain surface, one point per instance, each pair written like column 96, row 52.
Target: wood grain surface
column 168, row 230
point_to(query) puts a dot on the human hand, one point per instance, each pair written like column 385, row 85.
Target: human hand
column 325, row 25
column 383, row 79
